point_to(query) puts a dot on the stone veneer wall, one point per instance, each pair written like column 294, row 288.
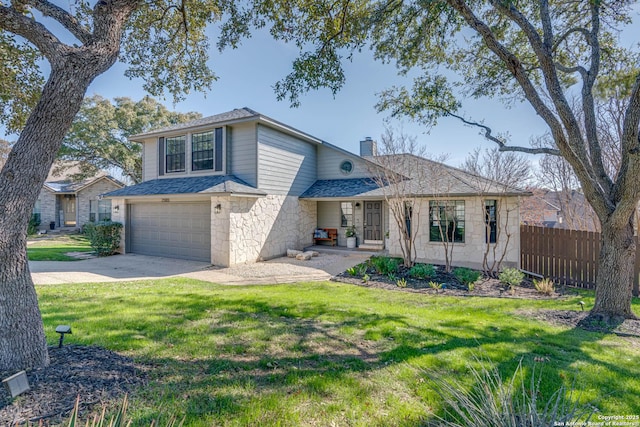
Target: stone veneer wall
column 121, row 217
column 220, row 230
column 308, row 221
column 91, row 193
column 471, row 252
column 253, row 229
column 47, row 208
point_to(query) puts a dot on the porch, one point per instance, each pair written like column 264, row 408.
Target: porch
column 368, row 218
column 343, row 250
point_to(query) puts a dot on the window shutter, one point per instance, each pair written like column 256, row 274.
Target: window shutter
column 160, row 156
column 218, row 149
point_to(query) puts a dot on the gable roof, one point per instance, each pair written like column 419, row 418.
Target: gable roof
column 431, row 178
column 237, row 115
column 424, row 178
column 70, row 187
column 189, row 185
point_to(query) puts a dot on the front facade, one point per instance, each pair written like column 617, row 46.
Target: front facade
column 240, row 187
column 64, row 202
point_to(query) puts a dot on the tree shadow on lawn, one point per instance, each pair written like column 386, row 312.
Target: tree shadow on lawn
column 254, row 356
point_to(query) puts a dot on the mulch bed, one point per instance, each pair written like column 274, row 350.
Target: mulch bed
column 486, row 286
column 97, row 375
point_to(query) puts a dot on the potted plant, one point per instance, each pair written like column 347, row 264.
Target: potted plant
column 351, row 237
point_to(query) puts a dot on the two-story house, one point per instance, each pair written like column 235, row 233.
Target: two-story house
column 240, row 187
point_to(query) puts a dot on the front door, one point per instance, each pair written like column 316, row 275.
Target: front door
column 373, row 220
column 69, row 208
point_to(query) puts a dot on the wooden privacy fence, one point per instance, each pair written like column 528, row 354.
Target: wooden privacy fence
column 569, row 257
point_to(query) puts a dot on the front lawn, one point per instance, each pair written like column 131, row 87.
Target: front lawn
column 55, row 248
column 321, row 354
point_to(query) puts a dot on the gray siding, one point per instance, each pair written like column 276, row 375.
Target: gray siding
column 329, row 160
column 243, row 152
column 329, row 217
column 150, row 160
column 286, row 165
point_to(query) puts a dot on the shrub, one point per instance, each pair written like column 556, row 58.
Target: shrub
column 544, row 286
column 34, row 223
column 366, row 278
column 385, row 265
column 353, row 271
column 402, row 283
column 422, row 271
column 494, row 402
column 466, row 276
column 435, row 285
column 103, row 236
column 511, row 276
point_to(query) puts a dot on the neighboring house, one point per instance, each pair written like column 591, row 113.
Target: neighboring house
column 558, row 209
column 65, row 202
column 240, row 187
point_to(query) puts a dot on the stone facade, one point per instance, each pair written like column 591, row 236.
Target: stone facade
column 471, row 252
column 48, row 208
column 50, row 203
column 251, row 229
column 91, row 193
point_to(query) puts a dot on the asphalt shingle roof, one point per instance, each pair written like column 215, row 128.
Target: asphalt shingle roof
column 202, row 184
column 237, row 114
column 431, row 178
column 341, row 188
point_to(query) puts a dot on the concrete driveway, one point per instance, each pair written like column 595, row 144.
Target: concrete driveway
column 140, row 267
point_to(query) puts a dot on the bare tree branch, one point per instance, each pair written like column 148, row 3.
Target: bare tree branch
column 503, row 146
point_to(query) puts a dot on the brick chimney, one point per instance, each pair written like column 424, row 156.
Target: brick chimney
column 368, row 147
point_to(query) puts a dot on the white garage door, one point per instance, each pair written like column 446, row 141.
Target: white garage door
column 174, row 230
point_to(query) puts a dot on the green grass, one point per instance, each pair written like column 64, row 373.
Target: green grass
column 54, row 249
column 320, row 354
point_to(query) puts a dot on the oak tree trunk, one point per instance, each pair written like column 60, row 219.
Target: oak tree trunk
column 614, row 281
column 22, row 339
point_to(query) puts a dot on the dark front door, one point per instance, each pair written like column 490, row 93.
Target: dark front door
column 373, row 220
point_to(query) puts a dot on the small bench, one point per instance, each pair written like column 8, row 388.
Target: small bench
column 331, row 233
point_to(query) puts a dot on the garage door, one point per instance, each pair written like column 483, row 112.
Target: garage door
column 174, row 230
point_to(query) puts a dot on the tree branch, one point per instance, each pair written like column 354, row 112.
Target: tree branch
column 503, row 146
column 64, row 18
column 573, row 146
column 17, row 23
column 585, row 32
column 571, row 70
column 588, row 103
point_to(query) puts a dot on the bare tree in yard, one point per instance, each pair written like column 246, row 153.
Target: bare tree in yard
column 443, row 212
column 399, row 158
column 497, row 174
column 541, row 52
column 563, row 193
column 163, row 42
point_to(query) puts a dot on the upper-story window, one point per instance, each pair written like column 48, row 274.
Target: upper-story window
column 176, row 154
column 202, row 151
